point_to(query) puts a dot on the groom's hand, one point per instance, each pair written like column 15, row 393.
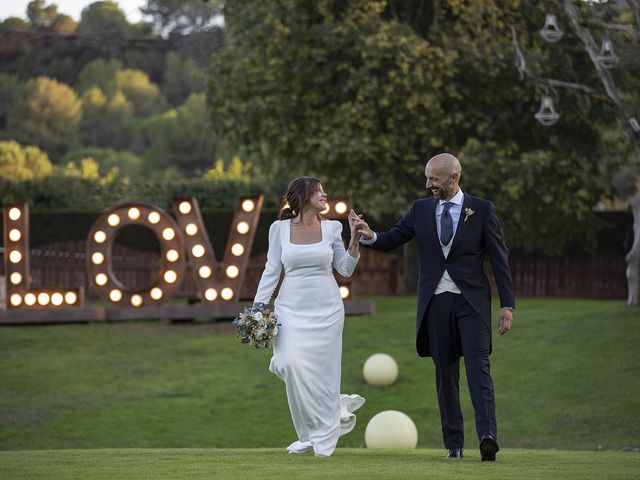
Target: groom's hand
column 360, row 226
column 505, row 320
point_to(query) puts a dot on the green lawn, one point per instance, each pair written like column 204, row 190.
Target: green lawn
column 566, row 378
column 237, row 464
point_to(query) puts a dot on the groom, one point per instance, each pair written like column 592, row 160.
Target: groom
column 455, row 232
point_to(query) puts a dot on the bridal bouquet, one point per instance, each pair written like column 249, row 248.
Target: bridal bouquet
column 257, row 326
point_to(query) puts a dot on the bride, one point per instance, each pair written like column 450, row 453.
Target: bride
column 308, row 349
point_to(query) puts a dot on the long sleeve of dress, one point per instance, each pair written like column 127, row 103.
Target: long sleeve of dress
column 273, row 267
column 344, row 263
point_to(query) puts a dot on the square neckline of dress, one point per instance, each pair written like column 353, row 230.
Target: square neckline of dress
column 305, row 244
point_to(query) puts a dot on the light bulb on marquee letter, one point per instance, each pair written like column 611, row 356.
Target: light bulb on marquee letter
column 341, row 208
column 232, row 271
column 211, row 294
column 101, row 279
column 156, row 293
column 100, row 236
column 15, row 214
column 170, row 276
column 226, row 294
column 16, row 278
column 97, row 258
column 172, row 255
column 43, row 298
column 16, row 299
column 237, row 249
column 57, row 299
column 113, row 220
column 197, row 251
column 136, row 300
column 115, row 295
column 30, row 299
column 70, row 298
column 15, row 235
column 204, row 271
column 134, row 213
column 185, row 208
column 242, row 228
column 191, row 229
column 15, row 256
column 248, row 205
column 168, row 233
column 154, row 218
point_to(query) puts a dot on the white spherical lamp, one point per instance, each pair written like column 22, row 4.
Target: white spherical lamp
column 391, row 429
column 380, row 370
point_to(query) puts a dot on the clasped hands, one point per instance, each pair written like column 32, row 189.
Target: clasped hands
column 359, row 228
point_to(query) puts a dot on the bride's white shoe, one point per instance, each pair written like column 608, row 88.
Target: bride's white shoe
column 299, row 447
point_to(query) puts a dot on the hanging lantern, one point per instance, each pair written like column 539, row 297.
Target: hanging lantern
column 551, row 32
column 598, row 7
column 607, row 57
column 547, row 114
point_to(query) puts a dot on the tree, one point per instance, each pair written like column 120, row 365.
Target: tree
column 181, row 138
column 104, row 118
column 99, row 73
column 48, row 115
column 10, row 91
column 10, row 24
column 181, row 16
column 182, row 77
column 142, row 92
column 601, row 85
column 103, row 18
column 64, row 25
column 41, row 15
column 19, row 163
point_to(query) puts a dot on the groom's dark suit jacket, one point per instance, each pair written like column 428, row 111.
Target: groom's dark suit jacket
column 475, row 239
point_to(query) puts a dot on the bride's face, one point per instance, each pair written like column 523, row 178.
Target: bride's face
column 318, row 200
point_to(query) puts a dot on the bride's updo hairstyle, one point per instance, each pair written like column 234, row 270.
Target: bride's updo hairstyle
column 299, row 193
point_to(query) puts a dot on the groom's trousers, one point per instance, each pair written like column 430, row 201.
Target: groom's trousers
column 455, row 329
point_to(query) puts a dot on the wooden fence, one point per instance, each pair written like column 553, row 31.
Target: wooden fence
column 577, row 275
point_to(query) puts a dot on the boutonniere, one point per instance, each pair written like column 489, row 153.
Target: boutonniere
column 467, row 213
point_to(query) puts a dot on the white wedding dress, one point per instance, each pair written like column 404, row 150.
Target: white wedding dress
column 308, row 350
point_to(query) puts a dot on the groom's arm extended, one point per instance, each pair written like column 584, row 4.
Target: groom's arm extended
column 399, row 234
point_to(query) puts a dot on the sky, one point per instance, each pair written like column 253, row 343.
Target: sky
column 73, row 8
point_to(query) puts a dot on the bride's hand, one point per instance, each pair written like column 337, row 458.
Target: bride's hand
column 359, row 228
column 354, row 220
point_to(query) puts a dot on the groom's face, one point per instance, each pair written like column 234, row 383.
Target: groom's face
column 439, row 182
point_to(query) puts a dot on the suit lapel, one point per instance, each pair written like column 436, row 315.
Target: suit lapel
column 462, row 225
column 433, row 228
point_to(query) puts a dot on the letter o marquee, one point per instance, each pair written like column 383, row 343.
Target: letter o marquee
column 100, row 243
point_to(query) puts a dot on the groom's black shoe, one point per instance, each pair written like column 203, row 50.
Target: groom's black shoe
column 488, row 448
column 455, row 453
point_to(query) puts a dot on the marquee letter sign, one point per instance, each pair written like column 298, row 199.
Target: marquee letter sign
column 181, row 240
column 185, row 249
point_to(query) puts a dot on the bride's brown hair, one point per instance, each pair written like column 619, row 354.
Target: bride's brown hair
column 299, row 193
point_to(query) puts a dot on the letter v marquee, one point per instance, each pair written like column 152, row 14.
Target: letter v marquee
column 226, row 281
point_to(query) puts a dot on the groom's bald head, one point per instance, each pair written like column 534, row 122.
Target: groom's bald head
column 447, row 163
